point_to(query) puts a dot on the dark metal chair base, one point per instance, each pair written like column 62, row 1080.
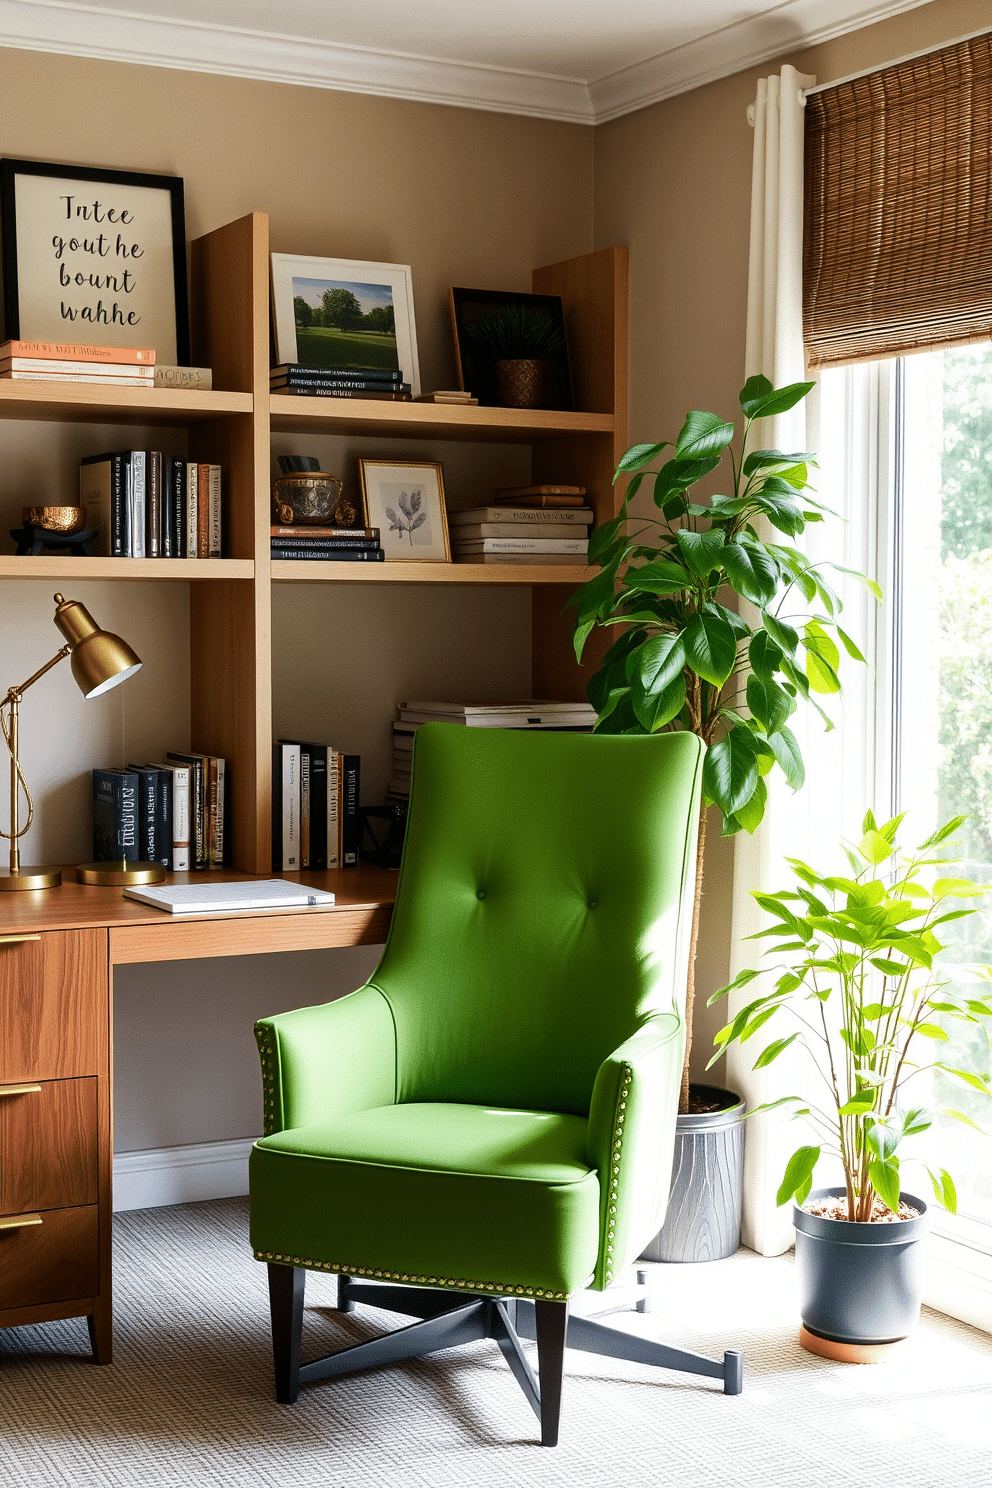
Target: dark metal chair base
column 446, row 1319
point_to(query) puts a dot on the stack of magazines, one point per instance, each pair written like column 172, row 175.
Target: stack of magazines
column 531, row 713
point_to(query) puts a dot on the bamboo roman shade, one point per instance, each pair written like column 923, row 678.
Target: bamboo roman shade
column 897, row 244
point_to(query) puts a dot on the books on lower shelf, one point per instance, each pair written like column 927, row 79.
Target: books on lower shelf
column 145, row 504
column 339, row 382
column 360, row 544
column 169, row 812
column 531, row 713
column 520, row 534
column 316, row 821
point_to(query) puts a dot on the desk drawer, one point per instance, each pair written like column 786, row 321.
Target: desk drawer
column 54, row 1005
column 48, row 1145
column 53, row 1261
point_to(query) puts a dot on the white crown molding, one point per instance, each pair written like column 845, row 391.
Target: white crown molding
column 119, row 36
column 123, row 36
column 747, row 43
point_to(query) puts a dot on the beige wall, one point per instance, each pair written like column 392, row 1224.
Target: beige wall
column 673, row 182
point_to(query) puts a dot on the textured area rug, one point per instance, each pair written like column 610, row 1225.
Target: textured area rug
column 189, row 1400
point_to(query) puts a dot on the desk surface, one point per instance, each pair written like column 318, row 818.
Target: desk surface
column 139, row 932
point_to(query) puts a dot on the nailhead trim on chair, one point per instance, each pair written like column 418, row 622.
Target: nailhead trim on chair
column 451, row 1282
column 615, row 1164
column 266, row 1041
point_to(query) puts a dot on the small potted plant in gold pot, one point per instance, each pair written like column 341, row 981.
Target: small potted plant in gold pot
column 517, row 338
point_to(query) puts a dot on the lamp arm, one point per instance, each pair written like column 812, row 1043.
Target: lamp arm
column 15, row 693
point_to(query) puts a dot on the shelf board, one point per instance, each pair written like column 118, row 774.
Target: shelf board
column 159, row 570
column 293, row 571
column 79, row 402
column 295, row 414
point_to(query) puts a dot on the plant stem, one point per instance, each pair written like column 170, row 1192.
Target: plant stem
column 690, row 991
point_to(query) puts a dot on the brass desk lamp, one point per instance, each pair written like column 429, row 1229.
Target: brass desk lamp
column 99, row 661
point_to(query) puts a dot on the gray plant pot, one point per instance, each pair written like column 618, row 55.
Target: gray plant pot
column 859, row 1283
column 703, row 1222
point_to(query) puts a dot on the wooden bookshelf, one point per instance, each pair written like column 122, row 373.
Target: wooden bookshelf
column 231, row 598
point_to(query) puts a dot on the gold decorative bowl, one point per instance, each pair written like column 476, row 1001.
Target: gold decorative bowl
column 312, row 499
column 55, row 518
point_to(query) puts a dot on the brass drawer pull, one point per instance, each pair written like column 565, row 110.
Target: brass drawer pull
column 17, row 939
column 19, row 1221
column 19, row 1090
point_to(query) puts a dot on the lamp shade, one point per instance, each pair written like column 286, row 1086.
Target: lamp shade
column 99, row 659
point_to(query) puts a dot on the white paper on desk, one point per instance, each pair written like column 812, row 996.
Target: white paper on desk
column 262, row 893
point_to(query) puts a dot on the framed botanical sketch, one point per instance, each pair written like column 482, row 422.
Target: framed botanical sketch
column 345, row 314
column 95, row 257
column 405, row 500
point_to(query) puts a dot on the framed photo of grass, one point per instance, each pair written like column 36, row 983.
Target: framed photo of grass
column 345, row 314
column 405, row 500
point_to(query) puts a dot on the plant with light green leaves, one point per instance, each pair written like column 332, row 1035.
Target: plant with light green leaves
column 857, row 977
column 685, row 659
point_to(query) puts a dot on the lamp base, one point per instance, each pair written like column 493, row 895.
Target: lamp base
column 117, row 875
column 30, row 878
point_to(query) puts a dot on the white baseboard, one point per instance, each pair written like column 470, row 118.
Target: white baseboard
column 181, row 1175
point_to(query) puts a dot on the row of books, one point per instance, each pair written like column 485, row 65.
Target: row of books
column 107, row 366
column 339, row 382
column 148, row 505
column 343, row 544
column 169, row 812
column 316, row 819
column 520, row 534
column 531, row 713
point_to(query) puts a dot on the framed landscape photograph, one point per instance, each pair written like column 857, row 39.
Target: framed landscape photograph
column 345, row 314
column 476, row 363
column 405, row 500
column 95, row 257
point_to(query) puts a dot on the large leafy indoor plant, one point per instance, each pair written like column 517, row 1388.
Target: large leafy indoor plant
column 857, row 980
column 689, row 655
column 685, row 658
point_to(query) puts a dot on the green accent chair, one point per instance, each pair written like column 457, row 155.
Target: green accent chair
column 487, row 1126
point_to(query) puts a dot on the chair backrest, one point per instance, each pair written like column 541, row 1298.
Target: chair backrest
column 542, row 911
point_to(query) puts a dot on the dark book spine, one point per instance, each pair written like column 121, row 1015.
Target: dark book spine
column 277, row 808
column 338, row 374
column 153, row 507
column 118, row 507
column 326, row 544
column 147, row 814
column 168, row 525
column 343, row 384
column 374, row 555
column 351, row 794
column 115, row 816
column 318, row 805
column 177, row 507
column 164, row 854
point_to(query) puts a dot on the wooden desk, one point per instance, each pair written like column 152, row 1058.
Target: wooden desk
column 58, row 950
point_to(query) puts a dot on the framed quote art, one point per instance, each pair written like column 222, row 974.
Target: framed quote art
column 405, row 500
column 96, row 257
column 345, row 315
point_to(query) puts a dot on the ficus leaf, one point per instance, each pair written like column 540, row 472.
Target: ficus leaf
column 798, row 1175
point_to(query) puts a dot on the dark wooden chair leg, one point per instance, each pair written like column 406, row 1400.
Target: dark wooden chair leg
column 551, row 1326
column 286, row 1287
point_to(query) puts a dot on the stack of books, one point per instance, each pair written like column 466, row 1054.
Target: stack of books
column 521, row 533
column 449, row 395
column 339, row 382
column 337, row 544
column 531, row 713
column 144, row 504
column 169, row 812
column 64, row 361
column 316, row 819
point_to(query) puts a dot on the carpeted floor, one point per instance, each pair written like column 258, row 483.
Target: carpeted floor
column 189, row 1399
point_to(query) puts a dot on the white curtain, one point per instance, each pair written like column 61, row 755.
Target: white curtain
column 774, row 347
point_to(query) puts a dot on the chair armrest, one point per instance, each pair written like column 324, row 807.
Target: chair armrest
column 332, row 1060
column 631, row 1139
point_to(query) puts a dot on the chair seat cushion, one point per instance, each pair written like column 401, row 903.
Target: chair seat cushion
column 471, row 1197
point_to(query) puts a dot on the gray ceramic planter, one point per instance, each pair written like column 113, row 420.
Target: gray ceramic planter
column 703, row 1222
column 859, row 1283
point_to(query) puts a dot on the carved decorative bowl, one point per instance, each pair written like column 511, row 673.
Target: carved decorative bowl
column 55, row 518
column 314, row 499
